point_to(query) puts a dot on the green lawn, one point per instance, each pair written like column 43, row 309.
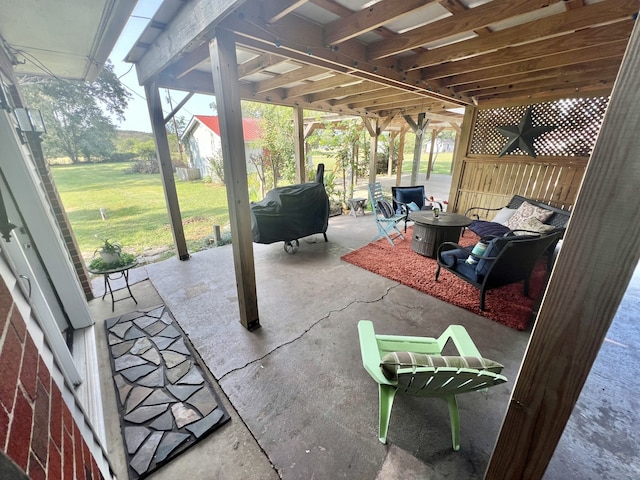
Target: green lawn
column 136, row 212
column 442, row 163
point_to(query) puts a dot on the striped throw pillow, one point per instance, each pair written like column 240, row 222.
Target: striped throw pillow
column 393, row 361
column 385, row 208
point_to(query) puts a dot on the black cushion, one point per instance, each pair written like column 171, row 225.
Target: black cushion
column 483, row 228
column 456, row 260
column 385, row 208
column 493, row 249
column 450, row 257
column 410, row 194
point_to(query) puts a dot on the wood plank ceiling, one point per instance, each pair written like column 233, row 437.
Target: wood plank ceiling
column 388, row 57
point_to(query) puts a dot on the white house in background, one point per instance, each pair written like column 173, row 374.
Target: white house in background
column 202, row 141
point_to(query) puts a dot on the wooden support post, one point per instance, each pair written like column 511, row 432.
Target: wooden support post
column 419, row 129
column 434, row 134
column 298, row 132
column 225, row 80
column 456, row 146
column 587, row 283
column 403, row 134
column 392, row 139
column 461, row 151
column 374, row 132
column 163, row 153
column 373, row 158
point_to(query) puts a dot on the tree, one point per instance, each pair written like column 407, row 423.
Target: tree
column 76, row 113
column 175, row 128
column 344, row 139
column 277, row 142
column 145, row 150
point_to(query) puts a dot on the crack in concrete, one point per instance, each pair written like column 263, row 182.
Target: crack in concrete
column 307, row 330
column 219, row 380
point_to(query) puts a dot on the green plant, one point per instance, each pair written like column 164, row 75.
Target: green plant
column 113, row 248
column 134, row 207
column 99, row 264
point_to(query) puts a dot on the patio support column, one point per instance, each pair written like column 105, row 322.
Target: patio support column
column 392, row 139
column 298, row 132
column 374, row 131
column 224, row 66
column 154, row 104
column 456, row 146
column 434, row 134
column 419, row 129
column 459, row 155
column 403, row 135
column 587, row 283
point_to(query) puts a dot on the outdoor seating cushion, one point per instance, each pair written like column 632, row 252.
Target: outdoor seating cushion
column 385, row 208
column 456, row 259
column 533, row 225
column 526, row 211
column 393, row 361
column 504, row 215
column 493, row 250
column 410, row 194
column 484, row 228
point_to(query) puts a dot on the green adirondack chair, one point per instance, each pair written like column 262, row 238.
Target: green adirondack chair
column 416, row 366
column 386, row 219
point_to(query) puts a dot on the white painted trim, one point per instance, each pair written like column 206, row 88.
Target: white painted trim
column 91, row 425
column 86, row 355
column 22, row 176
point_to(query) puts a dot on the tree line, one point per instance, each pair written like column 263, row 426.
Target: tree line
column 78, row 122
column 80, row 128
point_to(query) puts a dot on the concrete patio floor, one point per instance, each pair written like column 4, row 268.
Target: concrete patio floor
column 302, row 406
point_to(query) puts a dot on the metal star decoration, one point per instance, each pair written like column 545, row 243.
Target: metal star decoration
column 523, row 135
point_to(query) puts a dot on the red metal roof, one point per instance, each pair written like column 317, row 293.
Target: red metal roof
column 250, row 126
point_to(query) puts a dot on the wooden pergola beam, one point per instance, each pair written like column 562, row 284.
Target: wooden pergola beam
column 325, row 84
column 586, row 286
column 471, row 19
column 534, row 33
column 274, row 10
column 485, row 67
column 360, row 88
column 306, row 44
column 294, row 76
column 367, row 19
column 259, row 63
column 589, row 68
column 539, row 64
column 192, row 23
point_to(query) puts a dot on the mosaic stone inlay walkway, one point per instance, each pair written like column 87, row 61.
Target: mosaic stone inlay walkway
column 166, row 403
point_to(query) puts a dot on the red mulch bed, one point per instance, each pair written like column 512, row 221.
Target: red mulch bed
column 506, row 305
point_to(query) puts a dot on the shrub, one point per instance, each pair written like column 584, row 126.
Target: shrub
column 147, row 166
column 122, row 157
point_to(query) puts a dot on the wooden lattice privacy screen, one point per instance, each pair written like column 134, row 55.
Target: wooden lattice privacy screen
column 554, row 177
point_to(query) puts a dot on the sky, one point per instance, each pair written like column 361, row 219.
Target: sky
column 137, row 114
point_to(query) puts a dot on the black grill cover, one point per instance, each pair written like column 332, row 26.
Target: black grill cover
column 289, row 213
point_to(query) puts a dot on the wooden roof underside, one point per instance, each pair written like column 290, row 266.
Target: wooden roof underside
column 390, row 57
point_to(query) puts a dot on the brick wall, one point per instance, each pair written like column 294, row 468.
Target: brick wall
column 37, row 431
column 62, row 219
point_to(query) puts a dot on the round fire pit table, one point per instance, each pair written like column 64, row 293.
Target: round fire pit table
column 430, row 231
